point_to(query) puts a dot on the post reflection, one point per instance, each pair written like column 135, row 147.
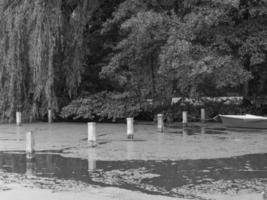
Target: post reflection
column 92, row 157
column 202, row 130
column 1, row 162
column 30, row 168
column 130, row 150
column 18, row 133
column 160, row 138
column 184, row 131
column 50, row 132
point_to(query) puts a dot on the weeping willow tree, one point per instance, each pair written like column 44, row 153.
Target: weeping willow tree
column 41, row 55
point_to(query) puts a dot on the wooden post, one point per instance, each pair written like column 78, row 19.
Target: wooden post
column 202, row 114
column 18, row 118
column 184, row 118
column 30, row 145
column 130, row 128
column 92, row 134
column 160, row 122
column 49, row 116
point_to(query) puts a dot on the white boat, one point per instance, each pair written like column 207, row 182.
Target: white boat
column 244, row 121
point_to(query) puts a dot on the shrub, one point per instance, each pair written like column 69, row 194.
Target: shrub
column 114, row 106
column 104, row 106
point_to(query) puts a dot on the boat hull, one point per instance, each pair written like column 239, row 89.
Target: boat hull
column 243, row 123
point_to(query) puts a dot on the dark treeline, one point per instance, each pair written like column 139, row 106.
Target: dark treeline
column 103, row 59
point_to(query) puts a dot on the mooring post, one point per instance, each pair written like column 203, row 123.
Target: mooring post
column 92, row 134
column 18, row 118
column 184, row 118
column 49, row 115
column 160, row 122
column 130, row 128
column 30, row 145
column 202, row 115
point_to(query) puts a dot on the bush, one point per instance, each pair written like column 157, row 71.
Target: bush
column 104, row 106
column 114, row 106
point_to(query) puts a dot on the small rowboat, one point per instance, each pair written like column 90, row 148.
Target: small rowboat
column 244, row 121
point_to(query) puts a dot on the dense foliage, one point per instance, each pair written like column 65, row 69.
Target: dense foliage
column 42, row 54
column 103, row 59
column 106, row 106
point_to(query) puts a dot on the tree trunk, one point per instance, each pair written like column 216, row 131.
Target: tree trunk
column 153, row 81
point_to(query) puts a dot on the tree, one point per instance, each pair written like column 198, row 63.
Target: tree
column 38, row 67
column 192, row 55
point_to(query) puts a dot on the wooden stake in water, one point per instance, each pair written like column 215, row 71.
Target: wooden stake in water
column 160, row 122
column 202, row 114
column 49, row 115
column 184, row 118
column 18, row 118
column 92, row 134
column 30, row 145
column 130, row 128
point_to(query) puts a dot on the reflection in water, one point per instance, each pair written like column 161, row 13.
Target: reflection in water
column 50, row 165
column 92, row 157
column 50, row 130
column 129, row 150
column 160, row 138
column 30, row 171
column 184, row 131
column 202, row 130
column 18, row 133
column 131, row 173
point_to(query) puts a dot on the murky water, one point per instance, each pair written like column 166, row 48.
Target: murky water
column 193, row 142
column 163, row 177
column 189, row 162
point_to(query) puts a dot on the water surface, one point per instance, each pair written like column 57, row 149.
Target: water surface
column 152, row 176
